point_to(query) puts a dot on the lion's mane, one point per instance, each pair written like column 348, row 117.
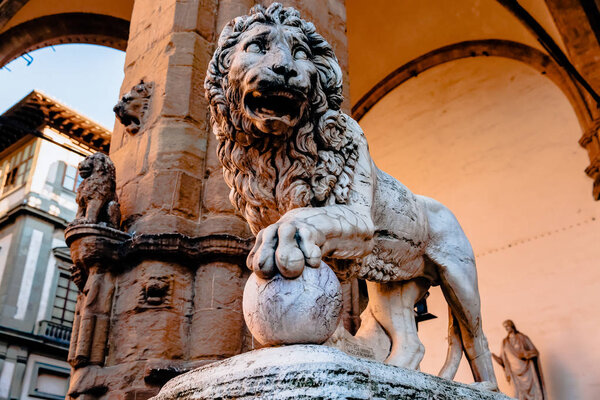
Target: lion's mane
column 270, row 175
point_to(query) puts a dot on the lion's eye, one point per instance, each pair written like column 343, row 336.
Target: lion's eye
column 300, row 54
column 254, row 48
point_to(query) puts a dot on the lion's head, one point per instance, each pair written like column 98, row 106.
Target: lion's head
column 99, row 165
column 133, row 106
column 275, row 89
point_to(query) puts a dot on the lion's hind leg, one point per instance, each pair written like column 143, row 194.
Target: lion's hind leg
column 392, row 304
column 114, row 213
column 451, row 252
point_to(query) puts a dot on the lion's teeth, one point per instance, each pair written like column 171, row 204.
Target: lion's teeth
column 266, row 111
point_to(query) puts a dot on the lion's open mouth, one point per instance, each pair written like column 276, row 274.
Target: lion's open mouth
column 85, row 171
column 280, row 105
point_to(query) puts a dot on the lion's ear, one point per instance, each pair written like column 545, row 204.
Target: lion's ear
column 226, row 32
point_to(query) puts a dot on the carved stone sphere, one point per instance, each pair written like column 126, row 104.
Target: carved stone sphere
column 291, row 311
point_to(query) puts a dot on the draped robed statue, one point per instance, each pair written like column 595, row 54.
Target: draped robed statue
column 521, row 362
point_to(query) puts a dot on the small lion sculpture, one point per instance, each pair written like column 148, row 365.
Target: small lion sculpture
column 301, row 174
column 131, row 110
column 96, row 197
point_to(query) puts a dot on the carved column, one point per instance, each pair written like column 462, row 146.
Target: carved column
column 590, row 140
column 582, row 43
column 180, row 270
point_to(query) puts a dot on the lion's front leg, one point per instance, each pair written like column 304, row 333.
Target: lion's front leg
column 92, row 211
column 302, row 236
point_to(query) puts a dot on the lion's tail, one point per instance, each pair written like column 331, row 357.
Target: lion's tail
column 455, row 348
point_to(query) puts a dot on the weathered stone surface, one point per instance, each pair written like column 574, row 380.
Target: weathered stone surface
column 132, row 107
column 306, row 309
column 217, row 325
column 312, row 372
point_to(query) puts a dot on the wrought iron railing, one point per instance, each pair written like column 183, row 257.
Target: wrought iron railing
column 56, row 332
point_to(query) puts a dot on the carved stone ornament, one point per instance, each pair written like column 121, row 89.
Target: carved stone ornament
column 96, row 196
column 132, row 108
column 156, row 292
column 93, row 248
column 301, row 174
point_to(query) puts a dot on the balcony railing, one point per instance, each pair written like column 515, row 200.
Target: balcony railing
column 56, row 332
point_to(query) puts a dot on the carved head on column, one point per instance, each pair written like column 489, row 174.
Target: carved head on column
column 132, row 108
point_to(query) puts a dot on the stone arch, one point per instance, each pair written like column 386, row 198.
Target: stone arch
column 64, row 28
column 479, row 48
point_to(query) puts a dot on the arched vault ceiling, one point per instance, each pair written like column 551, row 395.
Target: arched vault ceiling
column 384, row 35
column 33, row 9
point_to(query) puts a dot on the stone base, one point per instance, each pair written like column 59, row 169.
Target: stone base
column 312, row 372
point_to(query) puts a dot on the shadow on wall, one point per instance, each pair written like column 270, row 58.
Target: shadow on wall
column 559, row 379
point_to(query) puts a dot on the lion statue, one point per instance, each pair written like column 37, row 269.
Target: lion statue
column 301, row 174
column 96, row 197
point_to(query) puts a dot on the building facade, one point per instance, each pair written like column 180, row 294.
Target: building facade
column 40, row 152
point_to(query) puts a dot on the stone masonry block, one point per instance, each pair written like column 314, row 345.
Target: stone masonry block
column 218, row 285
column 217, row 223
column 216, row 333
column 187, row 196
column 127, row 158
column 197, row 16
column 157, row 221
column 217, row 322
column 152, row 21
column 150, row 309
column 185, row 98
column 216, row 194
column 154, row 333
column 179, row 145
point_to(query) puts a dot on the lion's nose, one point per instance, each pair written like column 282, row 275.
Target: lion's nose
column 284, row 69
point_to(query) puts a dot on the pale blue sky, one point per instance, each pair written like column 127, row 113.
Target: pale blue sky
column 86, row 78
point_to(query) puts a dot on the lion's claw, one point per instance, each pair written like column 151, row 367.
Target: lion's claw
column 284, row 246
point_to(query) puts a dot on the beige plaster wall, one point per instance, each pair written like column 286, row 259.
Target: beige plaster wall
column 497, row 143
column 383, row 35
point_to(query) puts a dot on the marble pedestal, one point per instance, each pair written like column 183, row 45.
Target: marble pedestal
column 312, row 372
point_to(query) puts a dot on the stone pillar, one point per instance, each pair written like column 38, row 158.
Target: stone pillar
column 583, row 48
column 179, row 271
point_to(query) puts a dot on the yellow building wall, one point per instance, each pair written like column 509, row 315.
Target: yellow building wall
column 496, row 142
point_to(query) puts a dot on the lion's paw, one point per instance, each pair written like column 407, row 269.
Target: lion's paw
column 286, row 247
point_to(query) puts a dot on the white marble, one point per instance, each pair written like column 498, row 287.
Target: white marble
column 312, row 372
column 306, row 309
column 301, row 174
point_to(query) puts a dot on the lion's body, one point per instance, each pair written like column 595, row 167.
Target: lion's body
column 93, row 188
column 401, row 233
column 301, row 174
column 96, row 197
